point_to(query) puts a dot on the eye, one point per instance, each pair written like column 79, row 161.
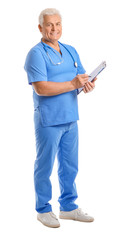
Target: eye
column 48, row 24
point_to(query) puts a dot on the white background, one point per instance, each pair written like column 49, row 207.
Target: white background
column 93, row 28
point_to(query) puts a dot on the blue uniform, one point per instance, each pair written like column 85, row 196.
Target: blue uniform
column 55, row 121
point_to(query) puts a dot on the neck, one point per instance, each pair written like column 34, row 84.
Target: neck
column 50, row 43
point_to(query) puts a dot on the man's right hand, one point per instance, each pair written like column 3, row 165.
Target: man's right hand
column 80, row 80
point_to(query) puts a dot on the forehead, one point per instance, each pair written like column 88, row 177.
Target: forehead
column 52, row 18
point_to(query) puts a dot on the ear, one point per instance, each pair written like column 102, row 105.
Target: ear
column 40, row 28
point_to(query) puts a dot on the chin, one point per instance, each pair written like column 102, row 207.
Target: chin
column 54, row 39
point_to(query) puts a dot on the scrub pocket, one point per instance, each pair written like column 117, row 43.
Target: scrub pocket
column 37, row 118
column 51, row 115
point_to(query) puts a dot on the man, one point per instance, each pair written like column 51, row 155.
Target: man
column 55, row 72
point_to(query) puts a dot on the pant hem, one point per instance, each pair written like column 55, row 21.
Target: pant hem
column 68, row 209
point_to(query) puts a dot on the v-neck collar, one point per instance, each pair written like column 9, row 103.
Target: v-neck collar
column 46, row 45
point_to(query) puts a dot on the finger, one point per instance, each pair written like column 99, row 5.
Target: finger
column 84, row 90
column 85, row 80
column 84, row 75
column 88, row 87
column 92, row 84
column 94, row 79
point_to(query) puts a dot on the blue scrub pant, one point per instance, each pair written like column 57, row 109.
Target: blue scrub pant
column 63, row 141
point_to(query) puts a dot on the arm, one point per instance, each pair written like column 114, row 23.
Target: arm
column 89, row 86
column 52, row 88
column 37, row 76
column 47, row 88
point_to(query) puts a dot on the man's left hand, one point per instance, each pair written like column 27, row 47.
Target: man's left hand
column 89, row 86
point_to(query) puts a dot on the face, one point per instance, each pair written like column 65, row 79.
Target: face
column 52, row 28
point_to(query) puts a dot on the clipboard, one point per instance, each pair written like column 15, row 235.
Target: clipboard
column 99, row 69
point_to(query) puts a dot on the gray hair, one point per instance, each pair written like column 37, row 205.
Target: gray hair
column 48, row 11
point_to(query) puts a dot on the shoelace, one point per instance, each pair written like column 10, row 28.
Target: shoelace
column 53, row 215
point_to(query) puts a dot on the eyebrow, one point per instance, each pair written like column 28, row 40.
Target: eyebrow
column 52, row 23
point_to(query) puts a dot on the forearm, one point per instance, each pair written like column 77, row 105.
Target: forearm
column 55, row 88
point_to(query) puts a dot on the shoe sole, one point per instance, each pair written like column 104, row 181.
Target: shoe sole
column 52, row 226
column 76, row 219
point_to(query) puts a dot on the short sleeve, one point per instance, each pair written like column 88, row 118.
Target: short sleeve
column 35, row 66
column 80, row 68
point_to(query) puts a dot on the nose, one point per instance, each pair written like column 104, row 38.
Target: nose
column 54, row 27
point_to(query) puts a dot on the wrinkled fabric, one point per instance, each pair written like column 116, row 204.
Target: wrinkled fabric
column 56, row 128
column 61, row 140
column 61, row 108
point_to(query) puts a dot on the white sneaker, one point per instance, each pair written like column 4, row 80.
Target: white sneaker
column 77, row 215
column 49, row 219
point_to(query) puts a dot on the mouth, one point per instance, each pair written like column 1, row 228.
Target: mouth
column 54, row 33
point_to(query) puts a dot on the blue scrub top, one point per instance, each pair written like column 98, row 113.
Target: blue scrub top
column 57, row 109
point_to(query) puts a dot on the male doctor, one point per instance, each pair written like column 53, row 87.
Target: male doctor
column 55, row 72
